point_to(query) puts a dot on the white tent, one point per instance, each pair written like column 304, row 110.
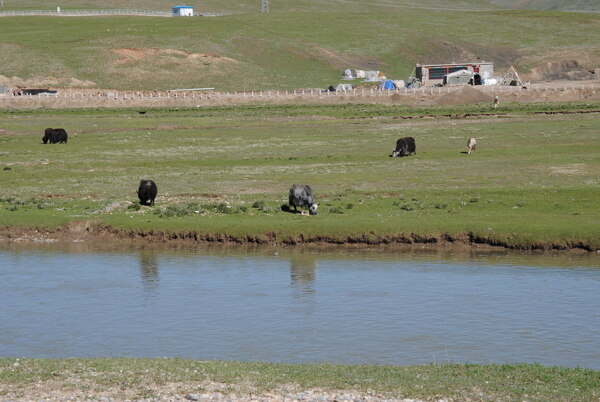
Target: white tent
column 344, row 87
column 374, row 75
column 400, row 84
column 461, row 77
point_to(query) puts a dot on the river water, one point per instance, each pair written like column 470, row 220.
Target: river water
column 406, row 306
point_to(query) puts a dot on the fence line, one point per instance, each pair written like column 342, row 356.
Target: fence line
column 79, row 13
column 288, row 94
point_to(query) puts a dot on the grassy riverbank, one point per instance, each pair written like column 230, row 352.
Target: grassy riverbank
column 152, row 378
column 224, row 172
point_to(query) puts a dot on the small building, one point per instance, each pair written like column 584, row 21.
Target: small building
column 432, row 74
column 183, row 11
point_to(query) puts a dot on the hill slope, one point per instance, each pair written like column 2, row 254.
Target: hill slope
column 282, row 50
column 277, row 6
column 254, row 6
column 564, row 5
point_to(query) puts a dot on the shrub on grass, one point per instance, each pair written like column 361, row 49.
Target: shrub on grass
column 15, row 205
column 222, row 208
column 135, row 206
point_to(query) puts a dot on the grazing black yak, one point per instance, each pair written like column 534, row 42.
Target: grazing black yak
column 147, row 192
column 302, row 196
column 55, row 135
column 404, row 147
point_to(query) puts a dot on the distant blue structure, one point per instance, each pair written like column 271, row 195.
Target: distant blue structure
column 183, row 11
column 388, row 84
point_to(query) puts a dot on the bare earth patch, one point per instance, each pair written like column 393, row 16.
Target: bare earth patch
column 75, row 388
column 156, row 55
column 575, row 168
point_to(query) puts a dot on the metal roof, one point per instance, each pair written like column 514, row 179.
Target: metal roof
column 174, row 7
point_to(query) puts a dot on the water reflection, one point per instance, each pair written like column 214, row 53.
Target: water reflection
column 149, row 269
column 303, row 271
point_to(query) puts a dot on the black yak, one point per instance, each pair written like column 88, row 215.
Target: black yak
column 302, row 196
column 404, row 147
column 55, row 135
column 147, row 192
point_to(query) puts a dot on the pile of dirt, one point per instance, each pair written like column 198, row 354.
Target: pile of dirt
column 463, row 96
column 561, row 70
column 131, row 55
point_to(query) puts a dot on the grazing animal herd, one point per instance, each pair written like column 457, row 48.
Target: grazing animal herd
column 300, row 196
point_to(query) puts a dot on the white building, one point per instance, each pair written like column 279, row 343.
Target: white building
column 183, row 11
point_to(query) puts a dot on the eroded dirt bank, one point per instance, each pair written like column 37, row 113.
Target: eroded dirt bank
column 89, row 231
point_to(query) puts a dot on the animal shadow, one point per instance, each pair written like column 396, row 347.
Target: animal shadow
column 287, row 208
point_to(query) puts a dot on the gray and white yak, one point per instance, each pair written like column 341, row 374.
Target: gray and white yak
column 404, row 147
column 147, row 192
column 302, row 196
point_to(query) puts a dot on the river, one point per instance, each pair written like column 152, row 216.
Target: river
column 400, row 306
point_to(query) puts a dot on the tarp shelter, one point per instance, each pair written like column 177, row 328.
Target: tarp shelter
column 374, row 75
column 413, row 83
column 388, row 84
column 36, row 91
column 344, row 87
column 368, row 75
column 400, row 84
column 462, row 77
column 350, row 74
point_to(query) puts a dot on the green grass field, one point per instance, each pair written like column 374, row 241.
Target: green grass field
column 307, row 46
column 533, row 181
column 147, row 378
column 253, row 6
column 248, row 6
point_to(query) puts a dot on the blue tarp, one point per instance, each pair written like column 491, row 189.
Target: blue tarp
column 388, row 84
